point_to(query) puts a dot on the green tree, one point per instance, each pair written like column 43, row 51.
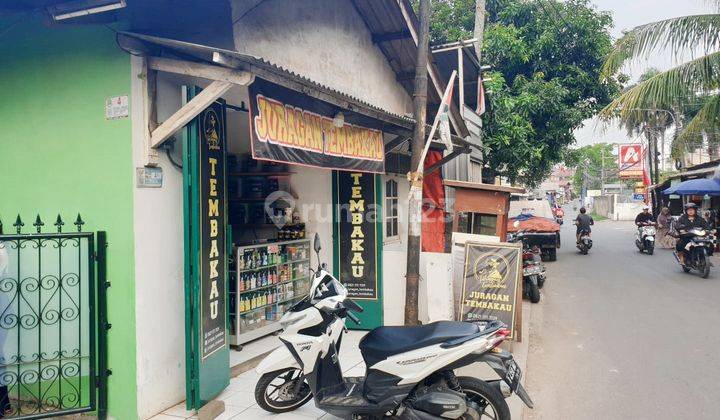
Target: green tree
column 679, row 89
column 547, row 56
column 592, row 165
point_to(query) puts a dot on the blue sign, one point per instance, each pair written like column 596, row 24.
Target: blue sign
column 639, row 197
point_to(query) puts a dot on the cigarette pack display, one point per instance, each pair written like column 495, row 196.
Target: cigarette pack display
column 269, row 279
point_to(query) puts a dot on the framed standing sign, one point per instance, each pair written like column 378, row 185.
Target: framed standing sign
column 491, row 274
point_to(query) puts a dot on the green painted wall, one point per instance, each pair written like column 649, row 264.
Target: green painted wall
column 59, row 154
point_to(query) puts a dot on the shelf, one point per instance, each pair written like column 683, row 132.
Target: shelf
column 270, row 174
column 242, row 292
column 274, row 242
column 245, row 270
column 271, row 304
column 255, row 332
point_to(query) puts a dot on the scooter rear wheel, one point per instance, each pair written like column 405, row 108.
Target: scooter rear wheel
column 488, row 398
column 534, row 292
column 275, row 391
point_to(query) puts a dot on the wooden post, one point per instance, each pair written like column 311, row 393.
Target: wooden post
column 416, row 178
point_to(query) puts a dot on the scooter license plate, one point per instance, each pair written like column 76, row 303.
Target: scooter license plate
column 513, row 374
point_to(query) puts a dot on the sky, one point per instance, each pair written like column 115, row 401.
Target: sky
column 628, row 14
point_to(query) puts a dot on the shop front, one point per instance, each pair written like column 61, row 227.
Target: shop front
column 297, row 170
column 269, row 160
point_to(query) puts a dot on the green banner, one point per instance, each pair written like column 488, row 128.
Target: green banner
column 357, row 233
column 206, row 256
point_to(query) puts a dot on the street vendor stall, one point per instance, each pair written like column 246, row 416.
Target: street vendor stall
column 481, row 209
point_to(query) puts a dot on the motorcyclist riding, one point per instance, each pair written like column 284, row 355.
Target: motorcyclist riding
column 689, row 220
column 644, row 218
column 583, row 223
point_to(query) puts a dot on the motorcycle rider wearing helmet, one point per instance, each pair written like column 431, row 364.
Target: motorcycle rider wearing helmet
column 583, row 223
column 689, row 220
column 644, row 218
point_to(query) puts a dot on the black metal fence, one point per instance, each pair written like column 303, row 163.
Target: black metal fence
column 52, row 321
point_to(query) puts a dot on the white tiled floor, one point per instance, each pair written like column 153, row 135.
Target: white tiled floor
column 239, row 397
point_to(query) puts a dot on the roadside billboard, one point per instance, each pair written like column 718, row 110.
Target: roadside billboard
column 631, row 161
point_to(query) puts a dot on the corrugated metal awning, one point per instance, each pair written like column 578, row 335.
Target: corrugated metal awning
column 262, row 68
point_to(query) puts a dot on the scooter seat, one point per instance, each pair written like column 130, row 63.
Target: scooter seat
column 383, row 342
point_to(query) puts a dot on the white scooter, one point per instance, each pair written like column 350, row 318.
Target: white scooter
column 645, row 238
column 409, row 370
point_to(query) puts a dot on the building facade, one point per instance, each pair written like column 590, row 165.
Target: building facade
column 79, row 118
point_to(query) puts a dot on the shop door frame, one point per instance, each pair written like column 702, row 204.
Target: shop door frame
column 205, row 379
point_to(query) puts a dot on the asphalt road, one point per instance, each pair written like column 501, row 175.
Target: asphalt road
column 623, row 335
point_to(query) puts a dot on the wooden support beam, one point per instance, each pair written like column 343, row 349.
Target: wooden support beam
column 390, row 36
column 205, row 71
column 452, row 155
column 395, row 143
column 191, row 110
column 411, row 21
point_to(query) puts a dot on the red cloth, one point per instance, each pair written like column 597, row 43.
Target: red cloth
column 534, row 224
column 433, row 214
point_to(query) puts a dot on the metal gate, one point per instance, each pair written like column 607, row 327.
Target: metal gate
column 52, row 321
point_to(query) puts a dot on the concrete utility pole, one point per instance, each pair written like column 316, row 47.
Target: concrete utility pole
column 416, row 178
column 479, row 35
column 602, row 171
column 479, row 32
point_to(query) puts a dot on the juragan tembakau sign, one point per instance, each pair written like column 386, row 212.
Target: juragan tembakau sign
column 490, row 283
column 289, row 127
column 212, row 230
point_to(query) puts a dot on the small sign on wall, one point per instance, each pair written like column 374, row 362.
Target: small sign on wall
column 149, row 177
column 117, row 107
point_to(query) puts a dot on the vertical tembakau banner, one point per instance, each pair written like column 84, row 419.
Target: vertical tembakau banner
column 358, row 241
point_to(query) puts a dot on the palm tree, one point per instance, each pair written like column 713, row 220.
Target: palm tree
column 682, row 86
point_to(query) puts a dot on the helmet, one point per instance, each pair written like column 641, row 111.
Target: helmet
column 690, row 206
column 646, row 207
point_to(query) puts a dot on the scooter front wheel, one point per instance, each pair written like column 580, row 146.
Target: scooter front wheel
column 282, row 391
column 490, row 403
column 704, row 267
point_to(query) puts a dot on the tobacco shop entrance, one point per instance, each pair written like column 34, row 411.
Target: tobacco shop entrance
column 264, row 174
column 268, row 160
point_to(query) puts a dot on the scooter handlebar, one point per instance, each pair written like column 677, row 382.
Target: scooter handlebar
column 353, row 317
column 352, row 305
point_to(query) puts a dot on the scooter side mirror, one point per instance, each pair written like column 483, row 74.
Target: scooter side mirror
column 316, row 243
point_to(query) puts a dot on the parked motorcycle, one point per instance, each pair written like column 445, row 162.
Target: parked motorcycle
column 645, row 238
column 698, row 249
column 410, row 370
column 533, row 269
column 585, row 242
